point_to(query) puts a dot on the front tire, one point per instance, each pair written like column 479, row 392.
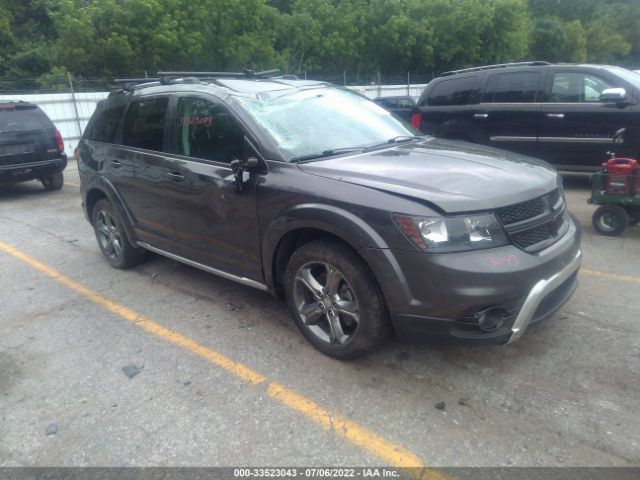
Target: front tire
column 610, row 220
column 53, row 182
column 112, row 239
column 335, row 300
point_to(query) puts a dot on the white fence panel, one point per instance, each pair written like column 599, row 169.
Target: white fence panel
column 60, row 108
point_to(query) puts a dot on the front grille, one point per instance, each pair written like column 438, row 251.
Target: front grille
column 521, row 211
column 529, row 238
column 537, row 223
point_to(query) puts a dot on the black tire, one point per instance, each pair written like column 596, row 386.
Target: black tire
column 351, row 298
column 610, row 220
column 53, row 182
column 112, row 239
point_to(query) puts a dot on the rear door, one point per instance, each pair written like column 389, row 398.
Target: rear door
column 136, row 169
column 577, row 129
column 509, row 112
column 215, row 224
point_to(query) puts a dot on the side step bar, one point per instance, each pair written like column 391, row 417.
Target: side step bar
column 229, row 276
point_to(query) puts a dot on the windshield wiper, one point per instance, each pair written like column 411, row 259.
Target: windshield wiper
column 325, row 153
column 398, row 139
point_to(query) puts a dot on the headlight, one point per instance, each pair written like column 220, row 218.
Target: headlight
column 452, row 234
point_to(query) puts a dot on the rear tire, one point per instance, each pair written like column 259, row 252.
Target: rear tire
column 335, row 300
column 610, row 220
column 53, row 182
column 112, row 239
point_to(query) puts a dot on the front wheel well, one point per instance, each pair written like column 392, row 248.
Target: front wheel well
column 289, row 244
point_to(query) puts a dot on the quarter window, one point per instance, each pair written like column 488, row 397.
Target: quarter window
column 520, row 87
column 577, row 88
column 207, row 130
column 106, row 125
column 452, row 92
column 144, row 124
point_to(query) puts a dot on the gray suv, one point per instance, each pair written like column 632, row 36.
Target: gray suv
column 317, row 194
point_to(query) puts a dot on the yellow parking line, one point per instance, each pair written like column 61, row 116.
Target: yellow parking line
column 72, row 184
column 372, row 443
column 612, row 276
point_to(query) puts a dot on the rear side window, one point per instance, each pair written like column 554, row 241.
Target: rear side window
column 19, row 118
column 452, row 92
column 207, row 130
column 144, row 124
column 106, row 125
column 520, row 87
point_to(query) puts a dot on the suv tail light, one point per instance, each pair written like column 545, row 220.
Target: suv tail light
column 416, row 119
column 59, row 141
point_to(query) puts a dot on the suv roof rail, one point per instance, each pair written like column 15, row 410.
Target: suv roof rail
column 130, row 83
column 168, row 77
column 491, row 67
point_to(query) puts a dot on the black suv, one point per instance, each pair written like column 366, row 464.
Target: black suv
column 565, row 114
column 308, row 190
column 30, row 146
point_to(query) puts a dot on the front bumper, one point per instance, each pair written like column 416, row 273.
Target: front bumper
column 434, row 298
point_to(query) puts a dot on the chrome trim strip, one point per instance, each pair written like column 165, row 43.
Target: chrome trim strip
column 538, row 292
column 502, row 138
column 579, row 140
column 215, row 271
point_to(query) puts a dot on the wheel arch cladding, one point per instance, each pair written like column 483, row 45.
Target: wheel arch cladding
column 307, row 222
column 104, row 189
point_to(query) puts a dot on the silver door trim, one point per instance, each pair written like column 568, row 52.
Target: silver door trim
column 229, row 276
column 504, row 138
column 579, row 140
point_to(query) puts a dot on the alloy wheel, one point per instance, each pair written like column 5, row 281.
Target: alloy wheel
column 326, row 303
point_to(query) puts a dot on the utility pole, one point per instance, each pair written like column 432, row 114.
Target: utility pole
column 75, row 105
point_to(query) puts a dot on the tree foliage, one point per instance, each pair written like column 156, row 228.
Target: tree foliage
column 40, row 40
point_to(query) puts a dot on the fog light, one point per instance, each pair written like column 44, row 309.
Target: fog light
column 491, row 319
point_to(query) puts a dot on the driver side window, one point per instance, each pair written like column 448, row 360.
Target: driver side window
column 208, row 131
column 577, row 88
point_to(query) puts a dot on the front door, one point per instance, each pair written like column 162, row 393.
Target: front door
column 215, row 223
column 578, row 129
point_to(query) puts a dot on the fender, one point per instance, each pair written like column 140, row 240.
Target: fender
column 335, row 220
column 101, row 183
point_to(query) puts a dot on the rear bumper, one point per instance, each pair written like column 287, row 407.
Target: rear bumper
column 20, row 172
column 439, row 298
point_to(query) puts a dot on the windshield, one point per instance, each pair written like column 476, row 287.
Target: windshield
column 324, row 120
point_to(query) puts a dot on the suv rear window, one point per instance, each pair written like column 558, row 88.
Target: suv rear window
column 518, row 87
column 452, row 92
column 144, row 124
column 23, row 118
column 106, row 125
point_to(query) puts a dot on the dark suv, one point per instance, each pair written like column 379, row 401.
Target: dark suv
column 308, row 190
column 30, row 146
column 565, row 114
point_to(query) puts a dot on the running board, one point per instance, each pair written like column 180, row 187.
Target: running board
column 229, row 276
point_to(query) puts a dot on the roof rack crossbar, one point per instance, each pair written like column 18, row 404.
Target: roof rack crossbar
column 491, row 67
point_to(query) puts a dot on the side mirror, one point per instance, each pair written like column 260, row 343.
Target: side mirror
column 613, row 95
column 252, row 164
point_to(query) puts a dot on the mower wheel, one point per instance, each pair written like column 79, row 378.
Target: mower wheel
column 610, row 220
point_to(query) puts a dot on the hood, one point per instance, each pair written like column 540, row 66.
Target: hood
column 453, row 176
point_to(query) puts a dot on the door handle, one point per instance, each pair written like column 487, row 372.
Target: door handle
column 480, row 115
column 555, row 115
column 176, row 176
column 116, row 163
